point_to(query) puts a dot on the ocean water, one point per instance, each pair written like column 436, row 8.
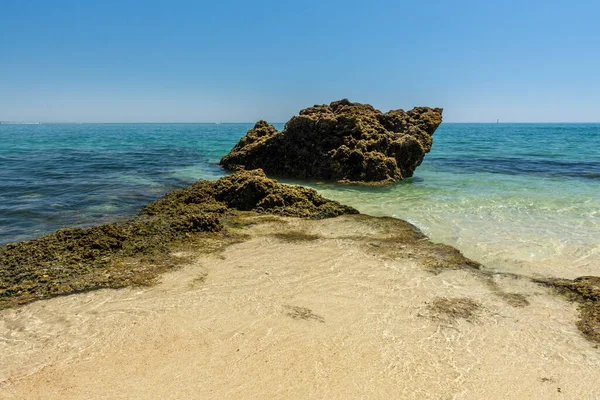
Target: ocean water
column 516, row 197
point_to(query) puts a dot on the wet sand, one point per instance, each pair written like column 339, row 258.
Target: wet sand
column 304, row 309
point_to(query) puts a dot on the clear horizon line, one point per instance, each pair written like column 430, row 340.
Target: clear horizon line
column 7, row 122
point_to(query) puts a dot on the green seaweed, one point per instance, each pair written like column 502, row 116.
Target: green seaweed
column 296, row 236
column 137, row 251
column 302, row 313
column 455, row 308
column 585, row 291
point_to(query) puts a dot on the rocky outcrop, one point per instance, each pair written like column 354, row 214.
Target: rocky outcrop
column 343, row 141
column 136, row 251
column 247, row 191
column 585, row 291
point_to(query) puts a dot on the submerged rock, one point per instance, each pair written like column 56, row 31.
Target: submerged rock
column 135, row 252
column 585, row 291
column 342, row 141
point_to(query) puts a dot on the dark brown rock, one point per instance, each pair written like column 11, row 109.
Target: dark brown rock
column 343, row 141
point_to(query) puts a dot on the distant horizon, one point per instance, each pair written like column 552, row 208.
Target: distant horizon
column 3, row 122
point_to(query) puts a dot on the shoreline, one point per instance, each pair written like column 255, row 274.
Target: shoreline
column 514, row 216
column 246, row 277
column 353, row 305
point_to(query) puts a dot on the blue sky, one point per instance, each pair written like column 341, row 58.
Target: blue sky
column 127, row 61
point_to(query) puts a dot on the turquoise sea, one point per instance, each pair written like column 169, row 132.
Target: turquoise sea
column 516, row 197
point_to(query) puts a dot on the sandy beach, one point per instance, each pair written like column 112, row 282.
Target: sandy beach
column 299, row 200
column 347, row 307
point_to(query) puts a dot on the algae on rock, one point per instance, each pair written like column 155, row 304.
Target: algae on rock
column 585, row 291
column 343, row 141
column 135, row 252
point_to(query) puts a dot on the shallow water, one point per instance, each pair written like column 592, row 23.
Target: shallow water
column 517, row 197
column 330, row 317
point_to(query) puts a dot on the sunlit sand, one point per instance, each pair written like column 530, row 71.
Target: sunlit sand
column 304, row 309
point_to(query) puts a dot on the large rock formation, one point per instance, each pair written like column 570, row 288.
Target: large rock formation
column 343, row 141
